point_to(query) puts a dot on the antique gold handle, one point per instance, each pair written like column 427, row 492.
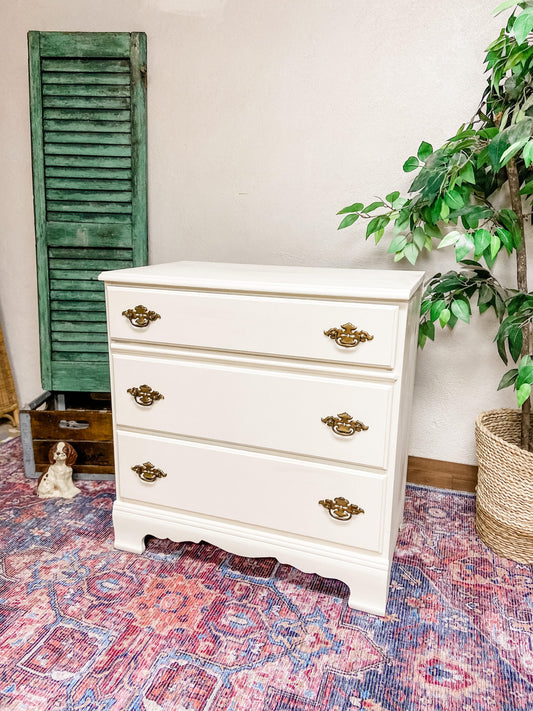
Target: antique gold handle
column 140, row 316
column 144, row 395
column 348, row 336
column 344, row 425
column 341, row 509
column 147, row 472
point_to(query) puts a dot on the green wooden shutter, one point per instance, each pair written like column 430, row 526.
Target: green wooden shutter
column 88, row 127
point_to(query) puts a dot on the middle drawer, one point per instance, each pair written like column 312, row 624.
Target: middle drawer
column 310, row 415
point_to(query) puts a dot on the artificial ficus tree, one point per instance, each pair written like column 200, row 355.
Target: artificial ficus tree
column 456, row 199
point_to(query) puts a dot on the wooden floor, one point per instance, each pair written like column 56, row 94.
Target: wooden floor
column 443, row 475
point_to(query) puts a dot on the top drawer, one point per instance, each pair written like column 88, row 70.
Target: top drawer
column 289, row 327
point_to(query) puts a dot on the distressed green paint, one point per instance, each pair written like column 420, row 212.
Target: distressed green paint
column 88, row 113
column 95, row 127
column 74, row 149
column 74, row 234
column 75, row 316
column 85, row 78
column 58, row 306
column 85, row 44
column 85, row 65
column 87, row 162
column 138, row 134
column 64, row 136
column 87, row 217
column 88, row 184
column 43, row 287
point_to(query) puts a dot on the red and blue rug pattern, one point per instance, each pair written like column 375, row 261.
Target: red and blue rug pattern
column 187, row 627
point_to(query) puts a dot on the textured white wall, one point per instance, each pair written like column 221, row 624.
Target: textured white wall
column 265, row 117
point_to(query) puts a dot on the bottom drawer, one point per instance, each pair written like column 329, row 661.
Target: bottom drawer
column 252, row 488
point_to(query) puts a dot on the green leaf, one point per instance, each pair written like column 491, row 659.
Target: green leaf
column 449, row 239
column 444, row 317
column 505, row 238
column 376, row 224
column 454, row 200
column 485, row 294
column 528, row 153
column 433, row 230
column 425, row 306
column 411, row 252
column 397, row 244
column 403, row 220
column 392, row 197
column 348, row 220
column 525, row 362
column 373, row 206
column 467, row 173
column 527, row 189
column 399, row 256
column 461, row 309
column 525, row 375
column 516, row 340
column 399, row 203
column 463, row 247
column 511, row 152
column 444, row 211
column 412, row 163
column 482, row 239
column 495, row 245
column 356, row 207
column 523, row 25
column 522, row 394
column 436, row 308
column 508, row 379
column 424, row 151
column 419, row 238
column 504, row 6
column 430, row 330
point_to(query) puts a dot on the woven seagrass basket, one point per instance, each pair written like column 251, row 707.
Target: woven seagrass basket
column 504, row 493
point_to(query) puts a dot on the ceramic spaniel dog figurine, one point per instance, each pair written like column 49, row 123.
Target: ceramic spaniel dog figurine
column 57, row 479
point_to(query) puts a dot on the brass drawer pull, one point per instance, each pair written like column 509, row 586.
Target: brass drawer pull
column 348, row 336
column 144, row 395
column 341, row 509
column 344, row 425
column 147, row 472
column 140, row 317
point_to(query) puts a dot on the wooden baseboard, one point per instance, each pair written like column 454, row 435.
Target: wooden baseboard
column 443, row 475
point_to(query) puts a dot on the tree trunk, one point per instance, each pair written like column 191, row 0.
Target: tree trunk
column 521, row 279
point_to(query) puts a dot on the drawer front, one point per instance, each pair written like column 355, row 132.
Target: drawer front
column 257, row 324
column 251, row 488
column 275, row 410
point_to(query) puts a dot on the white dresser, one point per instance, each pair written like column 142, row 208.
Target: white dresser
column 265, row 410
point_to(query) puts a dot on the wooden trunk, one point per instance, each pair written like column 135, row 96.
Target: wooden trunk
column 87, row 426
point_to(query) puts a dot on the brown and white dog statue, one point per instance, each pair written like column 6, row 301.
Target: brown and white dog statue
column 57, row 479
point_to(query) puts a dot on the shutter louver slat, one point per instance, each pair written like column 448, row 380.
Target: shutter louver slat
column 88, row 217
column 89, row 195
column 86, row 102
column 87, row 115
column 87, row 161
column 93, row 126
column 123, row 139
column 84, row 127
column 86, row 65
column 86, row 78
column 91, row 184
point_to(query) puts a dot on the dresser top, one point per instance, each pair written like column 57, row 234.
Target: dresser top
column 373, row 284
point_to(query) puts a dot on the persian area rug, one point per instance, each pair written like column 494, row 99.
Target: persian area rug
column 191, row 628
